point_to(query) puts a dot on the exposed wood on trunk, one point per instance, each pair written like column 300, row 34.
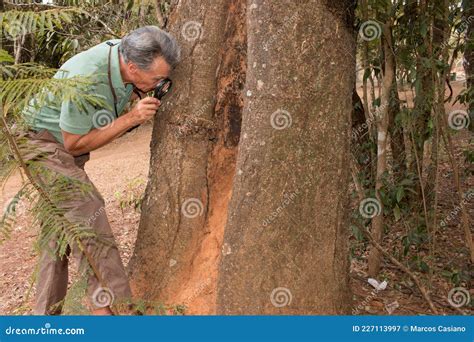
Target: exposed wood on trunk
column 176, row 202
column 177, row 257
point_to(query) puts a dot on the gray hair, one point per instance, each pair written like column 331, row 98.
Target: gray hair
column 144, row 44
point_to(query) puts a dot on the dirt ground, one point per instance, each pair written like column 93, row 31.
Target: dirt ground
column 122, row 168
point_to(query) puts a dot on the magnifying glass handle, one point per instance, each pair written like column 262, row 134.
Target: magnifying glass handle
column 131, row 129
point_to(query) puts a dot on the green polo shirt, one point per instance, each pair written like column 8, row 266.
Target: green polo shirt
column 59, row 114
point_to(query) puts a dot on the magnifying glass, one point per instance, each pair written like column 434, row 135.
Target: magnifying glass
column 162, row 88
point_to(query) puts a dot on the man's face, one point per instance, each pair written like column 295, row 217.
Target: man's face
column 146, row 80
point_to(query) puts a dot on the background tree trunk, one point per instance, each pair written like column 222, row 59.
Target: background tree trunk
column 424, row 98
column 287, row 230
column 469, row 55
column 375, row 257
column 397, row 143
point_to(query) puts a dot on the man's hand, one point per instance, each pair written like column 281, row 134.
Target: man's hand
column 77, row 144
column 144, row 110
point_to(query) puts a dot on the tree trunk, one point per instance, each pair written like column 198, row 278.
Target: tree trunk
column 286, row 238
column 365, row 60
column 441, row 35
column 375, row 257
column 193, row 153
column 397, row 143
column 468, row 6
column 424, row 98
column 361, row 146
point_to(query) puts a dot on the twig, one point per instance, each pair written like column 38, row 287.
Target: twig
column 442, row 303
column 112, row 32
column 422, row 289
column 354, row 172
column 419, row 166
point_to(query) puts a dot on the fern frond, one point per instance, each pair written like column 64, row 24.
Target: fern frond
column 7, row 167
column 9, row 217
column 26, row 70
column 16, row 93
column 73, row 300
column 50, row 213
column 15, row 23
column 5, row 57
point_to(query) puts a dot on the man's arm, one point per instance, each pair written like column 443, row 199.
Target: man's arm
column 77, row 144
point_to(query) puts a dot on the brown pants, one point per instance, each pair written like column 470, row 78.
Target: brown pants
column 86, row 208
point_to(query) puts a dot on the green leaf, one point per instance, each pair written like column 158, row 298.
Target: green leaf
column 406, row 181
column 423, row 29
column 397, row 213
column 424, row 266
column 357, row 233
column 400, row 194
column 446, row 274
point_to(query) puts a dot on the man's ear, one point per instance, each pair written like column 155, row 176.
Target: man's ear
column 132, row 68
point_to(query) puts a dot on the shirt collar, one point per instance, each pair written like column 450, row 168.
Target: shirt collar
column 117, row 80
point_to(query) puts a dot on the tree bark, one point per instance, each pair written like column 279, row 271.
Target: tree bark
column 361, row 147
column 441, row 35
column 397, row 142
column 468, row 6
column 424, row 98
column 171, row 262
column 375, row 257
column 287, row 229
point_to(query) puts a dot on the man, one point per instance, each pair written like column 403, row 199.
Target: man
column 65, row 133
